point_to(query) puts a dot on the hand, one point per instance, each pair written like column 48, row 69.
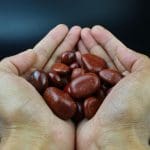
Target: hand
column 122, row 122
column 26, row 121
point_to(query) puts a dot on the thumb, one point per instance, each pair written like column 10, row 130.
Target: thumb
column 18, row 64
column 132, row 60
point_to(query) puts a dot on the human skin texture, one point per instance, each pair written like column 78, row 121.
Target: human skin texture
column 122, row 121
column 26, row 122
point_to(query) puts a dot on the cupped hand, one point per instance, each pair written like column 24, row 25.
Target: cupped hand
column 122, row 121
column 26, row 121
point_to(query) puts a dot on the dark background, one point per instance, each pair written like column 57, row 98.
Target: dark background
column 24, row 22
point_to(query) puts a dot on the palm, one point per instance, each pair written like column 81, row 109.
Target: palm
column 21, row 106
column 123, row 118
column 24, row 109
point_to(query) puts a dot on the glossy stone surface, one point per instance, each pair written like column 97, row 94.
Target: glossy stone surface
column 60, row 68
column 60, row 103
column 110, row 76
column 74, row 65
column 84, row 86
column 77, row 72
column 39, row 79
column 79, row 115
column 55, row 79
column 93, row 63
column 91, row 106
column 68, row 57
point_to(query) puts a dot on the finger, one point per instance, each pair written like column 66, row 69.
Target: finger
column 124, row 58
column 88, row 40
column 94, row 48
column 110, row 44
column 48, row 44
column 82, row 48
column 18, row 64
column 132, row 60
column 68, row 44
column 99, row 51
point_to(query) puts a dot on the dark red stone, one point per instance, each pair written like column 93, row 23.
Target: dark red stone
column 91, row 106
column 39, row 79
column 60, row 103
column 93, row 63
column 84, row 86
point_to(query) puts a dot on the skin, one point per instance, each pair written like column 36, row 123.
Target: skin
column 26, row 121
column 122, row 121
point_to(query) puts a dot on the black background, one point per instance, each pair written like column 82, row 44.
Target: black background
column 24, row 22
